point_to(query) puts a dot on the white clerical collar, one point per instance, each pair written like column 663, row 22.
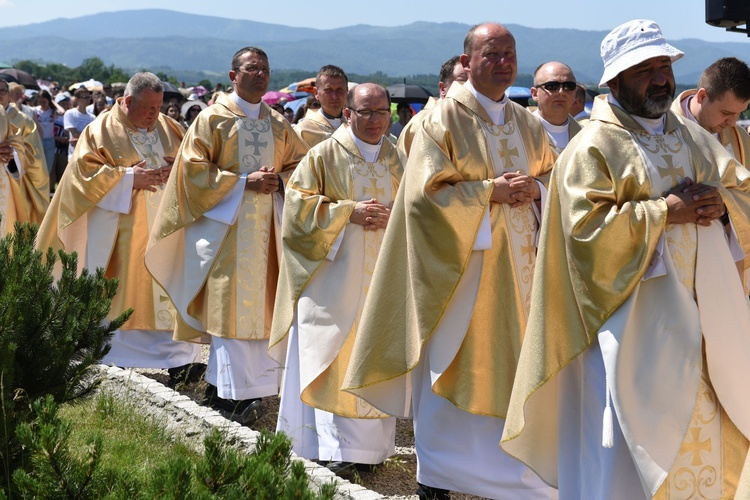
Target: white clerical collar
column 685, row 104
column 369, row 152
column 654, row 126
column 251, row 110
column 495, row 109
column 334, row 122
column 551, row 127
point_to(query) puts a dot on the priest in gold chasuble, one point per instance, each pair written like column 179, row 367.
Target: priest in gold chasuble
column 337, row 206
column 104, row 208
column 630, row 379
column 331, row 85
column 24, row 182
column 444, row 318
column 214, row 243
column 723, row 93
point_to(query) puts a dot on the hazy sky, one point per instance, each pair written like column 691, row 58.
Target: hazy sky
column 677, row 18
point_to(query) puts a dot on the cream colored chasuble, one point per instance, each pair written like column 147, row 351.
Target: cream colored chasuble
column 7, row 207
column 254, row 221
column 331, row 304
column 705, row 458
column 150, row 148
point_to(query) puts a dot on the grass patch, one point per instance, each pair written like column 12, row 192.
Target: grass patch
column 131, row 442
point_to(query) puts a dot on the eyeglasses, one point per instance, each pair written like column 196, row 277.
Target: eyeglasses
column 84, row 96
column 314, row 105
column 553, row 87
column 377, row 113
column 256, row 69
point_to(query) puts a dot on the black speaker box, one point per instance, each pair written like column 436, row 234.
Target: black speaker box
column 727, row 13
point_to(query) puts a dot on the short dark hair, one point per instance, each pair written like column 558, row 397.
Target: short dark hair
column 82, row 91
column 242, row 52
column 331, row 71
column 350, row 95
column 446, row 70
column 728, row 73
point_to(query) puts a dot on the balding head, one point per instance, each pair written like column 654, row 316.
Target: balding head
column 490, row 59
column 554, row 91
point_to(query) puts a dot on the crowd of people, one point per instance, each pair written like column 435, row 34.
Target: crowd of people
column 557, row 300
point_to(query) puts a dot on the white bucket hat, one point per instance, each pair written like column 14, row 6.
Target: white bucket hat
column 632, row 43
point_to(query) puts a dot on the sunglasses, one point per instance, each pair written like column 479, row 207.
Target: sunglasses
column 553, row 87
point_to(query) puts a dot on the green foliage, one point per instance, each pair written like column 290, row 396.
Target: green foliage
column 93, row 67
column 55, row 471
column 50, row 334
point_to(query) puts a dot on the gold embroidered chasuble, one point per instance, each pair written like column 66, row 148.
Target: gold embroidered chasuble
column 734, row 139
column 30, row 192
column 600, row 235
column 115, row 241
column 222, row 277
column 315, row 129
column 320, row 198
column 427, row 247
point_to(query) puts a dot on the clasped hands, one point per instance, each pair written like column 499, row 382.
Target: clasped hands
column 515, row 189
column 370, row 214
column 150, row 178
column 692, row 202
column 263, row 181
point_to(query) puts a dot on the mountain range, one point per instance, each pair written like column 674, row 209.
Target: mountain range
column 155, row 38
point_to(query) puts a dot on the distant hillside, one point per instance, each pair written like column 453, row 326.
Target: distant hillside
column 145, row 39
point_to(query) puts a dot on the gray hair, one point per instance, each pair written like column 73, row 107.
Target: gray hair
column 141, row 82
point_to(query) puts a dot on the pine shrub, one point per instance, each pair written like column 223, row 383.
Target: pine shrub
column 50, row 333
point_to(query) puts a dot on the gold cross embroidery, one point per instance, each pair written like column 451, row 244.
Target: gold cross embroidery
column 696, row 446
column 506, row 154
column 374, row 191
column 670, row 170
column 528, row 248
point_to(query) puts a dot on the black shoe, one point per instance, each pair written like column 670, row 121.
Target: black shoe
column 347, row 470
column 186, row 374
column 430, row 493
column 245, row 412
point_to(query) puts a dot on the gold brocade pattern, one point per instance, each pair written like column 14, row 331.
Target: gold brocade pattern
column 602, row 227
column 150, row 148
column 701, row 469
column 253, row 231
column 438, row 212
column 369, row 180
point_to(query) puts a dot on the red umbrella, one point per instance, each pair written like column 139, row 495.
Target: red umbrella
column 272, row 97
column 21, row 77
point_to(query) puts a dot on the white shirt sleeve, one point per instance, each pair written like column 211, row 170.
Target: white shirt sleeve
column 657, row 267
column 336, row 244
column 119, row 197
column 227, row 210
column 539, row 211
column 484, row 236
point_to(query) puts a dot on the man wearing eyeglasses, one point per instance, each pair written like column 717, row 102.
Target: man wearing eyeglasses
column 25, row 180
column 214, row 245
column 349, row 181
column 331, row 87
column 554, row 91
column 442, row 327
column 631, row 379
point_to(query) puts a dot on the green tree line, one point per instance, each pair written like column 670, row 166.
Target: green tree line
column 94, row 67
